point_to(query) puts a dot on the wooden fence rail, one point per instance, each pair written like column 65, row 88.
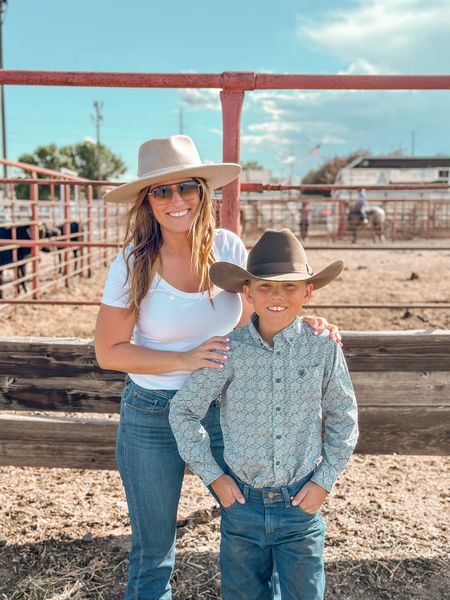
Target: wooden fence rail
column 401, row 379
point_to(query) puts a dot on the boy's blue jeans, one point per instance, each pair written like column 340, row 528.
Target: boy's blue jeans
column 268, row 531
column 152, row 474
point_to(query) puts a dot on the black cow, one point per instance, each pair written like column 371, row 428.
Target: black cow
column 23, row 232
column 75, row 234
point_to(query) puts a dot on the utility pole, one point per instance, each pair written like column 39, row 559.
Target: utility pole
column 181, row 120
column 2, row 93
column 98, row 118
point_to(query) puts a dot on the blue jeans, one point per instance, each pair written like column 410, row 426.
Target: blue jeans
column 267, row 532
column 152, row 473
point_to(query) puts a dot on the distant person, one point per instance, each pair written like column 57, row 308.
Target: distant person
column 305, row 220
column 361, row 205
column 275, row 387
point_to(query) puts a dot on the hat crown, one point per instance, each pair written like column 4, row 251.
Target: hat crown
column 176, row 151
column 277, row 251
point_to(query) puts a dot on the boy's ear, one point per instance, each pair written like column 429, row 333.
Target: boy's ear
column 308, row 292
column 246, row 289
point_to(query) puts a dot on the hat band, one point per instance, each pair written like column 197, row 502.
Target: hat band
column 280, row 268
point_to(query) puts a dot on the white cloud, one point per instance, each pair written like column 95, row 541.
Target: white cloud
column 360, row 66
column 201, row 99
column 274, row 127
column 409, row 36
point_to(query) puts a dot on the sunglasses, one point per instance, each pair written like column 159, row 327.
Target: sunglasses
column 188, row 190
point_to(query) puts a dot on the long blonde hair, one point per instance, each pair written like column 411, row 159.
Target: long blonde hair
column 144, row 238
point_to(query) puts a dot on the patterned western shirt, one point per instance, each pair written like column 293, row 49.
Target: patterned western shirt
column 272, row 402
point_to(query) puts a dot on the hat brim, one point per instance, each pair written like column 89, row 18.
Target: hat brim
column 215, row 176
column 232, row 278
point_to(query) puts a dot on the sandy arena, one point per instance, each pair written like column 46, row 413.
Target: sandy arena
column 66, row 532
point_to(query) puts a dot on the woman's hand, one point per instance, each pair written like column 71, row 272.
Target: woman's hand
column 320, row 324
column 206, row 354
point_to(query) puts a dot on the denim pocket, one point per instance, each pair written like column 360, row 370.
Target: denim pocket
column 148, row 401
column 306, row 512
column 235, row 503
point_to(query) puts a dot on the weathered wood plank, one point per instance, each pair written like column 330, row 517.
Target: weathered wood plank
column 70, row 394
column 421, row 350
column 404, row 430
column 391, row 388
column 365, row 351
column 89, row 444
column 57, row 442
column 402, row 388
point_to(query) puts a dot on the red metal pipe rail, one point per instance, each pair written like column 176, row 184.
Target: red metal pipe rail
column 228, row 80
column 254, row 187
column 40, row 170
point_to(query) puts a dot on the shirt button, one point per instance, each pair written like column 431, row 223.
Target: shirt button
column 278, row 462
column 278, row 408
column 278, row 437
column 277, row 380
column 278, row 352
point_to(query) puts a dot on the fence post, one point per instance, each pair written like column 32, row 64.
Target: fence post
column 34, row 197
column 232, row 101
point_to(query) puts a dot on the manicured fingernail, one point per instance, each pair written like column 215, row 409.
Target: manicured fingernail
column 227, row 348
column 225, row 357
column 340, row 343
column 228, row 339
column 316, row 333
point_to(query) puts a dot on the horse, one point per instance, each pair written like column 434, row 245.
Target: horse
column 376, row 218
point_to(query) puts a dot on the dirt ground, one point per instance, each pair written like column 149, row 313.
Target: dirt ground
column 65, row 533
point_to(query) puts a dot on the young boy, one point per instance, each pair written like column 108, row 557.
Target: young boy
column 276, row 384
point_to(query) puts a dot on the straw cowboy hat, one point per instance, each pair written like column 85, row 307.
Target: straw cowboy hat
column 277, row 256
column 169, row 158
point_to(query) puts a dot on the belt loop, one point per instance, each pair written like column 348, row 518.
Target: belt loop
column 286, row 496
column 245, row 491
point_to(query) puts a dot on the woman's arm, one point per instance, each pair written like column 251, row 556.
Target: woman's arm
column 114, row 350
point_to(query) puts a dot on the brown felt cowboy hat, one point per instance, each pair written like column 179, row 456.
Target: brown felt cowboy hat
column 277, row 256
column 170, row 158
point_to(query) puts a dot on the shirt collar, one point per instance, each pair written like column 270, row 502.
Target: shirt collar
column 289, row 333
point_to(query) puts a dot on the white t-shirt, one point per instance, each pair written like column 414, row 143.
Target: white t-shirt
column 173, row 320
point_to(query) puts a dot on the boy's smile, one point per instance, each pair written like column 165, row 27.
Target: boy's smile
column 277, row 303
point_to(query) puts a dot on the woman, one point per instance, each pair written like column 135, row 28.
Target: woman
column 158, row 290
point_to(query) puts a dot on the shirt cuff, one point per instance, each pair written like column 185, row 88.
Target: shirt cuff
column 325, row 476
column 210, row 474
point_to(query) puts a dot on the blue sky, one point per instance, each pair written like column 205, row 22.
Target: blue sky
column 278, row 127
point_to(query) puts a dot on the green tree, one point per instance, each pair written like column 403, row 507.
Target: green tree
column 329, row 169
column 251, row 164
column 81, row 157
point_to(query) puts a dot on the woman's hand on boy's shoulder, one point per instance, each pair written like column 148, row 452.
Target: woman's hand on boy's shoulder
column 320, row 324
column 227, row 490
column 311, row 497
column 211, row 354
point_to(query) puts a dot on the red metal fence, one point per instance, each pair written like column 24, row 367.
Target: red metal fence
column 98, row 222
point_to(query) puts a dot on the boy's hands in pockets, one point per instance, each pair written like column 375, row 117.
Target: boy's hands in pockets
column 310, row 498
column 227, row 490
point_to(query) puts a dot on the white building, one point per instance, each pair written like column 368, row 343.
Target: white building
column 366, row 171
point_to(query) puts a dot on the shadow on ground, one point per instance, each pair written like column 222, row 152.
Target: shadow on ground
column 95, row 568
